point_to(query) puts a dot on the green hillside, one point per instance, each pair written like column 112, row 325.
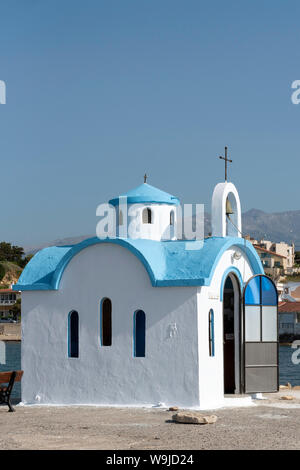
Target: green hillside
column 9, row 273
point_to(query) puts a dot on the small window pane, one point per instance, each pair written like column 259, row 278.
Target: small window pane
column 147, row 216
column 172, row 218
column 269, row 294
column 269, row 323
column 252, row 293
column 252, row 323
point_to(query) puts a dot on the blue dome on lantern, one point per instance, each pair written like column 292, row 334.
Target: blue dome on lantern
column 145, row 193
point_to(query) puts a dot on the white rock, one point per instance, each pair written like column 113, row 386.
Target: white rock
column 194, row 418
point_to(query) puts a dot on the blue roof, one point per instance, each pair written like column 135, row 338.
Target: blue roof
column 145, row 193
column 168, row 263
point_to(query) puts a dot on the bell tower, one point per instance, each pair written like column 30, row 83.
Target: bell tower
column 226, row 216
column 150, row 213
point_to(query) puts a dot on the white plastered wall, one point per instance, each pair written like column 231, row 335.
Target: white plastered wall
column 110, row 375
column 211, row 373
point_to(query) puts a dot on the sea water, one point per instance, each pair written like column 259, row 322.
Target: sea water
column 288, row 371
column 10, row 359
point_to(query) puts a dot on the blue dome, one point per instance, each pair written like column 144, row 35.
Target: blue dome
column 145, row 193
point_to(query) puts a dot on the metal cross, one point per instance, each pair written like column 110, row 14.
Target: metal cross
column 145, row 178
column 226, row 160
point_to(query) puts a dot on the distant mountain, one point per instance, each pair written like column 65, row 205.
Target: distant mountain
column 31, row 250
column 277, row 227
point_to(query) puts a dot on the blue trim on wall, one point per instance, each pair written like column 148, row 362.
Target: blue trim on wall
column 68, row 334
column 233, row 270
column 167, row 263
column 100, row 317
column 211, row 326
column 92, row 241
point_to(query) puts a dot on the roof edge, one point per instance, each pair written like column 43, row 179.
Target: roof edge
column 53, row 278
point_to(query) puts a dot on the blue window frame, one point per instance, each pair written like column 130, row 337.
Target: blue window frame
column 211, row 332
column 139, row 334
column 260, row 336
column 268, row 292
column 260, row 290
column 252, row 292
column 260, row 310
column 73, row 334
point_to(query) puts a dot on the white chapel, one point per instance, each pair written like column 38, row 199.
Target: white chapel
column 146, row 320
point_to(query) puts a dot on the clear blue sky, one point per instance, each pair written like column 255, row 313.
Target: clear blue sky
column 98, row 92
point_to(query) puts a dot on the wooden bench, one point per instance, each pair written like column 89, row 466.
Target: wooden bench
column 8, row 378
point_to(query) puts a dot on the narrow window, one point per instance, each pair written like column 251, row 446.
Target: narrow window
column 211, row 333
column 139, row 333
column 121, row 218
column 147, row 216
column 73, row 340
column 172, row 218
column 106, row 323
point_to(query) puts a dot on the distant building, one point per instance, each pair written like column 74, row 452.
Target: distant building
column 283, row 249
column 284, row 292
column 289, row 318
column 290, row 291
column 8, row 298
column 277, row 258
column 273, row 263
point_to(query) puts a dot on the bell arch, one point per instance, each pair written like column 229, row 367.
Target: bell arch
column 226, row 211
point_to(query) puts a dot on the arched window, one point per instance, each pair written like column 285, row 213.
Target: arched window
column 121, row 218
column 139, row 334
column 211, row 333
column 73, row 334
column 172, row 218
column 147, row 216
column 105, row 322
